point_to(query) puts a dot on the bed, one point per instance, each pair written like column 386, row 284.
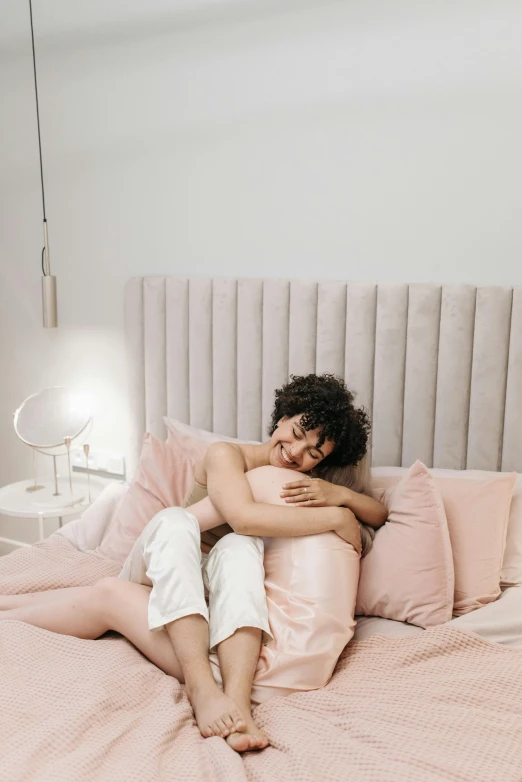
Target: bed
column 440, row 370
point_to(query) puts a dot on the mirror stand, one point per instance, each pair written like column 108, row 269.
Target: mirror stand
column 35, row 486
column 55, row 470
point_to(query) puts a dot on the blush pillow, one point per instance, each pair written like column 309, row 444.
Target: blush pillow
column 194, row 442
column 408, row 574
column 477, row 506
column 478, row 514
column 191, row 442
column 511, row 573
column 161, row 481
column 311, row 586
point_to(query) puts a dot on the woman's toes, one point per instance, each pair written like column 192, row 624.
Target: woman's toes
column 223, row 730
column 229, row 722
column 239, row 722
column 215, row 729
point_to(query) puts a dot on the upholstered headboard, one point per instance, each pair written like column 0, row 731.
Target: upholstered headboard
column 438, row 368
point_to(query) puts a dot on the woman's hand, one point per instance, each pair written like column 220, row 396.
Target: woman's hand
column 314, row 492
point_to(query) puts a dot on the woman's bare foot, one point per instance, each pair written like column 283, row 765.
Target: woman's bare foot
column 250, row 738
column 216, row 713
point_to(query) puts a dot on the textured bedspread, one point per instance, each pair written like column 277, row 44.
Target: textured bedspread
column 441, row 705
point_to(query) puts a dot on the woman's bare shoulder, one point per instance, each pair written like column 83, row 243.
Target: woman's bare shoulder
column 221, row 450
column 253, row 455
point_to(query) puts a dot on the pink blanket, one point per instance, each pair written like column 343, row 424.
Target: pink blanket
column 441, row 705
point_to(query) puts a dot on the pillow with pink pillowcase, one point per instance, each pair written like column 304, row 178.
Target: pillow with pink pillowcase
column 311, row 586
column 311, row 618
column 193, row 442
column 408, row 574
column 484, row 512
column 162, row 480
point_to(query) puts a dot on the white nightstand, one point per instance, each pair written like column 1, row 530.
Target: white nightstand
column 16, row 501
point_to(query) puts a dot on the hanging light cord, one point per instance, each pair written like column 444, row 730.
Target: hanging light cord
column 44, row 270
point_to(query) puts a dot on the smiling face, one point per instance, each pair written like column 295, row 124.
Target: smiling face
column 295, row 448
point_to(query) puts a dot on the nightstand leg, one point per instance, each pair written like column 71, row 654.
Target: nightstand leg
column 40, row 527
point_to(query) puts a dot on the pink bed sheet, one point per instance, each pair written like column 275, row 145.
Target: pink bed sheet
column 441, row 705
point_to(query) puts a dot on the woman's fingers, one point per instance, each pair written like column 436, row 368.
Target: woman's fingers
column 297, row 497
column 303, row 492
column 297, row 484
column 306, row 480
column 294, row 492
column 305, row 499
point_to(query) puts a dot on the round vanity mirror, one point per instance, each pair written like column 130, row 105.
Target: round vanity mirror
column 46, row 420
column 52, row 422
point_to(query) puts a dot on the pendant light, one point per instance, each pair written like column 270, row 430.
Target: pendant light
column 49, row 302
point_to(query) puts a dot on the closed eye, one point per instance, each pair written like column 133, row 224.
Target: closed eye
column 299, row 436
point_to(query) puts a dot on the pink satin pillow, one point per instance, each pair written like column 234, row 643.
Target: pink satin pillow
column 478, row 511
column 408, row 574
column 311, row 586
column 162, row 480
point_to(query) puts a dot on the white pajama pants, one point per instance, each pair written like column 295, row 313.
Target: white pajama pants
column 167, row 557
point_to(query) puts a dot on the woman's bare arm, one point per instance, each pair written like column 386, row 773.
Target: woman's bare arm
column 368, row 510
column 232, row 496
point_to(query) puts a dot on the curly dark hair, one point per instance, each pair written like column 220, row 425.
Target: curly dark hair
column 326, row 404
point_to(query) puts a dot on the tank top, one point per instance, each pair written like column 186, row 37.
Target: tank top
column 198, row 492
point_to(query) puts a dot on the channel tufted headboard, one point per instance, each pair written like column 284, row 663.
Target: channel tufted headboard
column 438, row 368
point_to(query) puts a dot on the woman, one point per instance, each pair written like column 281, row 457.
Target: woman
column 158, row 600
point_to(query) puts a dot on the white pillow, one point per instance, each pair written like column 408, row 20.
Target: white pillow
column 87, row 532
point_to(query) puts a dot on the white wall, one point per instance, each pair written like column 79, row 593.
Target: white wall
column 344, row 140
